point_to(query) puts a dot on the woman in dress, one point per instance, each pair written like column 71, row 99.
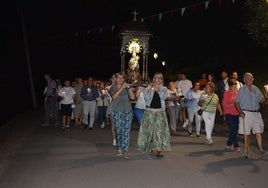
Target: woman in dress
column 154, row 135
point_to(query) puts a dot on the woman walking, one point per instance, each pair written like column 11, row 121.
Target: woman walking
column 209, row 102
column 173, row 107
column 154, row 135
column 192, row 98
column 102, row 104
column 122, row 113
column 231, row 115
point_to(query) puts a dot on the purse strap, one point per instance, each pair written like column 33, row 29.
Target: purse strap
column 208, row 102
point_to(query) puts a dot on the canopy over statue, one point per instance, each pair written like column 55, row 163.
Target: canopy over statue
column 135, row 40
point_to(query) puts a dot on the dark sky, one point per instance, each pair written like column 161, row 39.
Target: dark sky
column 58, row 42
column 54, row 47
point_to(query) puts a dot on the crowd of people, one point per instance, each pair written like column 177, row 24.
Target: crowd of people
column 158, row 109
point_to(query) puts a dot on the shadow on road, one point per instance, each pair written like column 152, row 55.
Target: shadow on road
column 220, row 166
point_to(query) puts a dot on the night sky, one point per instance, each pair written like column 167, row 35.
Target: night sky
column 58, row 40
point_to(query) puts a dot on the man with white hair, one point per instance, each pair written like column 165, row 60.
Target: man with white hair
column 248, row 103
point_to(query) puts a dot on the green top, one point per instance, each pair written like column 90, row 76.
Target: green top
column 78, row 90
column 212, row 106
column 122, row 102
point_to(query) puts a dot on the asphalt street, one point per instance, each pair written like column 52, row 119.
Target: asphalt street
column 82, row 158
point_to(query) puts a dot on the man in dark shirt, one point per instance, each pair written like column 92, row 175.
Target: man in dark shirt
column 89, row 94
column 51, row 102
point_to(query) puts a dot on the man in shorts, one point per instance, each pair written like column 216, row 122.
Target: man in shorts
column 184, row 85
column 248, row 103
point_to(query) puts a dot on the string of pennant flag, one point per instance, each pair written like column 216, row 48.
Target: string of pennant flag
column 152, row 18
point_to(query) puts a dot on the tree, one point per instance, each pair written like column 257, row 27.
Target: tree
column 257, row 21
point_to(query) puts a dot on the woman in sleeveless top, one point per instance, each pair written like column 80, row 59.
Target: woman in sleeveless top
column 154, row 135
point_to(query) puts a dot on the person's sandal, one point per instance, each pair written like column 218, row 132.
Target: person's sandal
column 152, row 153
column 119, row 153
column 159, row 154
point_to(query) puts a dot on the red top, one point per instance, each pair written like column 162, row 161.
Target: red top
column 202, row 81
column 228, row 102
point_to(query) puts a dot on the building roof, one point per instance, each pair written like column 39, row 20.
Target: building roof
column 135, row 27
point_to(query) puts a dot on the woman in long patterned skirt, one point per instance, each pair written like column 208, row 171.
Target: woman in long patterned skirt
column 154, row 135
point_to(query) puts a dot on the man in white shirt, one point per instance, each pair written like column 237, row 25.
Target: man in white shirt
column 235, row 77
column 178, row 79
column 184, row 85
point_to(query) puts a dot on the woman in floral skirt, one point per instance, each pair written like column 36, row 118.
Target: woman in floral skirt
column 154, row 135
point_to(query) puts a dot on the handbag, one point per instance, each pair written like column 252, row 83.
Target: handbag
column 200, row 111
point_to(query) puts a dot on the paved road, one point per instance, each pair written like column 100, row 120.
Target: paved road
column 84, row 159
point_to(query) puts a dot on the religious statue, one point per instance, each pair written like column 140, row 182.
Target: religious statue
column 133, row 71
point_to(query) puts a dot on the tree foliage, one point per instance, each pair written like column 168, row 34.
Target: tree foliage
column 257, row 21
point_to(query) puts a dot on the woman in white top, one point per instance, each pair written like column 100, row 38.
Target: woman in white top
column 140, row 104
column 191, row 99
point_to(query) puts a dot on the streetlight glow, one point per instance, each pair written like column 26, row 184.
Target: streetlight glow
column 155, row 55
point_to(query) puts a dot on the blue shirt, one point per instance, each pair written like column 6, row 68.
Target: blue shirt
column 94, row 91
column 249, row 99
column 195, row 98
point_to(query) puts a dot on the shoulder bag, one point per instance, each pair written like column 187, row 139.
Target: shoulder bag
column 200, row 111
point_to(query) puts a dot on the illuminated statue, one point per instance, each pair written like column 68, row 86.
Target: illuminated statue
column 133, row 72
column 134, row 60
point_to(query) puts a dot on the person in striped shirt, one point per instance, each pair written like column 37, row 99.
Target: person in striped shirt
column 209, row 102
